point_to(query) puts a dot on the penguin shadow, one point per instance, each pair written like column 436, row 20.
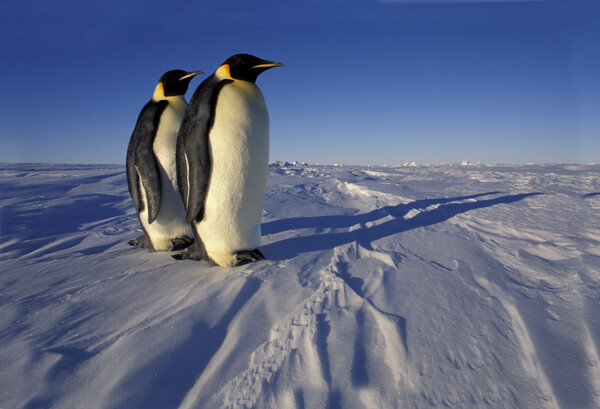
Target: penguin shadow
column 37, row 216
column 49, row 229
column 366, row 234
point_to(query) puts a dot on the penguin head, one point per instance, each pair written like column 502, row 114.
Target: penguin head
column 247, row 67
column 176, row 82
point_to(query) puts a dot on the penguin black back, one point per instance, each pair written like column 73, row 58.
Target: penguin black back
column 197, row 120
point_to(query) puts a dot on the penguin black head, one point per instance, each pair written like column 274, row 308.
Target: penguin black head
column 247, row 67
column 176, row 82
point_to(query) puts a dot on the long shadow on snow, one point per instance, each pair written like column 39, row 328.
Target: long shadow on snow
column 289, row 248
column 41, row 219
column 58, row 219
column 45, row 223
column 188, row 360
column 338, row 221
column 50, row 188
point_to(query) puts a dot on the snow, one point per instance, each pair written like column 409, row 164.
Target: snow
column 410, row 286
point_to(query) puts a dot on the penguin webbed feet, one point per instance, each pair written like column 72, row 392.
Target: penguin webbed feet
column 248, row 256
column 176, row 244
column 198, row 253
column 193, row 252
column 142, row 241
column 181, row 243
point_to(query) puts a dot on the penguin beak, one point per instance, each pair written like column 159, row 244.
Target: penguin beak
column 191, row 75
column 269, row 64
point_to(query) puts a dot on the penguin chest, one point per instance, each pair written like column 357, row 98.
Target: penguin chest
column 170, row 221
column 239, row 151
column 165, row 141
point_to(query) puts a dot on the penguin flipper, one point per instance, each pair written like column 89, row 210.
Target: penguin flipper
column 193, row 148
column 142, row 168
column 196, row 165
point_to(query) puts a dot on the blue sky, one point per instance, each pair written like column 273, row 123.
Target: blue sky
column 365, row 82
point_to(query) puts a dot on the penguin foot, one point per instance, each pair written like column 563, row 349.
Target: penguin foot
column 181, row 243
column 142, row 241
column 248, row 256
column 193, row 252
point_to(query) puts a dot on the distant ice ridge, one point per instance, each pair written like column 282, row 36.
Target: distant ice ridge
column 413, row 164
column 286, row 163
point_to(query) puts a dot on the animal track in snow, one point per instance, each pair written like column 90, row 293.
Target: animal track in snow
column 305, row 345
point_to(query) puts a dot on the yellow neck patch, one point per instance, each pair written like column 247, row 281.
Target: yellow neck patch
column 223, row 72
column 159, row 92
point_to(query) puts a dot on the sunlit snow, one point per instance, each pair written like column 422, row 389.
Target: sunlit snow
column 457, row 285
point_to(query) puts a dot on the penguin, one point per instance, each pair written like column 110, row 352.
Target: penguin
column 222, row 161
column 151, row 168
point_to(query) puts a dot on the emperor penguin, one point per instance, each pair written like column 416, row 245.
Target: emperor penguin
column 151, row 168
column 222, row 162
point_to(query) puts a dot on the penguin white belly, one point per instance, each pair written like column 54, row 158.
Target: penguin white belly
column 170, row 222
column 239, row 150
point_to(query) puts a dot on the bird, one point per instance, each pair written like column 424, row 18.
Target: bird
column 222, row 161
column 151, row 166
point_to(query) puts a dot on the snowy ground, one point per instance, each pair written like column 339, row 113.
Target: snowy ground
column 385, row 287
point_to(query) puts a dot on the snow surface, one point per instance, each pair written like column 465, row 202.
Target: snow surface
column 463, row 286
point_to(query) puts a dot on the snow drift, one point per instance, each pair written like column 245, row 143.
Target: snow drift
column 385, row 287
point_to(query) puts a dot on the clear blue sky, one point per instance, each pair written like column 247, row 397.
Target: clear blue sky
column 365, row 82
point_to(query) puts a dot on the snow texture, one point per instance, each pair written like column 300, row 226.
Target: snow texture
column 460, row 286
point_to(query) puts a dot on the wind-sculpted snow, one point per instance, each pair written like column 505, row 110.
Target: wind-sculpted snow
column 464, row 286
